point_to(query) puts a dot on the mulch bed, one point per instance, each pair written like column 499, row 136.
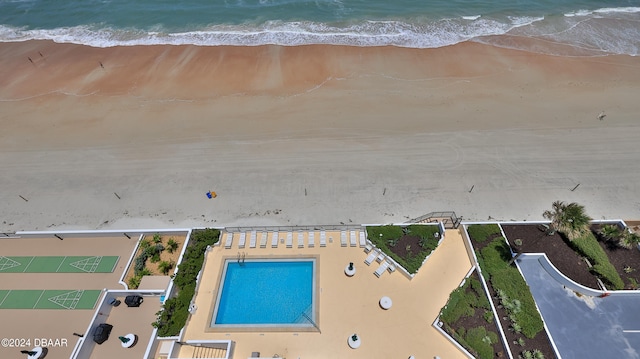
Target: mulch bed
column 557, row 250
column 540, row 341
column 406, row 242
column 568, row 261
column 623, row 259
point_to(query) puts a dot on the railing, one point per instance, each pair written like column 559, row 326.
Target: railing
column 449, row 219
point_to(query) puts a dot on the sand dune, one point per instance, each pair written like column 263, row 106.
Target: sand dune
column 310, row 134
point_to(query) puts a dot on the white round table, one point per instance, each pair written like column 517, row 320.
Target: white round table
column 132, row 340
column 349, row 272
column 385, row 303
column 354, row 344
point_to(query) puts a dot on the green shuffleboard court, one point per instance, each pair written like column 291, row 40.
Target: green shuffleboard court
column 48, row 299
column 58, row 264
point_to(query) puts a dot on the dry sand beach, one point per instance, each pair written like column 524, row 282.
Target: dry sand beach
column 310, row 134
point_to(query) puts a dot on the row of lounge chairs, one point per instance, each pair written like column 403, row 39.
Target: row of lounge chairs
column 378, row 256
column 354, row 240
column 256, row 237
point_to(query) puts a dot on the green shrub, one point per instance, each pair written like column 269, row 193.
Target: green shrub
column 488, row 316
column 423, row 231
column 481, row 341
column 482, row 232
column 458, row 306
column 379, row 235
column 588, row 246
column 165, row 266
column 608, row 273
column 508, row 282
column 156, row 238
column 144, row 244
column 155, row 258
column 172, row 245
column 175, row 311
column 134, row 282
column 140, row 264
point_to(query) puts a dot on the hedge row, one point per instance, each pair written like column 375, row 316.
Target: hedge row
column 588, row 246
column 495, row 264
column 175, row 311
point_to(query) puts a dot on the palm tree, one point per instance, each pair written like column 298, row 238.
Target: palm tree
column 570, row 219
column 555, row 215
column 610, row 232
column 629, row 240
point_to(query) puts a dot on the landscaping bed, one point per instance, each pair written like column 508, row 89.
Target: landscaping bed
column 175, row 311
column 158, row 256
column 561, row 255
column 517, row 313
column 625, row 261
column 467, row 317
column 408, row 245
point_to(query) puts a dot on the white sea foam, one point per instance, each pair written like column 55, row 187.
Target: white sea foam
column 613, row 10
column 579, row 13
column 628, row 10
column 473, row 17
column 596, row 32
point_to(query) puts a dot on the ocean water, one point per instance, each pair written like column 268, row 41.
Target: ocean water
column 588, row 26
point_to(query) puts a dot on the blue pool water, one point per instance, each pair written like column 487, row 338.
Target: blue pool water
column 266, row 293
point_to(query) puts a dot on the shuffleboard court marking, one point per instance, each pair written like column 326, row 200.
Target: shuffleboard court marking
column 28, row 264
column 61, row 263
column 5, row 297
column 67, row 300
column 8, row 263
column 40, row 297
column 115, row 263
column 88, row 265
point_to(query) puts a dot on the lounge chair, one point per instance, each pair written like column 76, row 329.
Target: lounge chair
column 363, row 240
column 263, row 239
column 289, row 240
column 323, row 239
column 274, row 239
column 352, row 237
column 343, row 238
column 252, row 240
column 229, row 241
column 391, row 268
column 300, row 240
column 370, row 258
column 383, row 267
column 368, row 248
column 243, row 239
column 380, row 258
column 312, row 240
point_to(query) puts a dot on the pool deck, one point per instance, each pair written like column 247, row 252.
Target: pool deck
column 347, row 305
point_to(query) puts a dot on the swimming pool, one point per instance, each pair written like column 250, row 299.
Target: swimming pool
column 266, row 293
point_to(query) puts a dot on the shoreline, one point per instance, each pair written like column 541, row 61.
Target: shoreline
column 262, row 126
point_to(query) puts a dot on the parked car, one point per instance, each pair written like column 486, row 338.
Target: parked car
column 101, row 334
column 133, row 300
